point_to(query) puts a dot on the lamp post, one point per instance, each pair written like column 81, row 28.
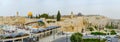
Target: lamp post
column 66, row 36
column 99, row 31
column 53, row 33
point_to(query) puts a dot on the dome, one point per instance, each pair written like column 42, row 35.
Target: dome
column 29, row 13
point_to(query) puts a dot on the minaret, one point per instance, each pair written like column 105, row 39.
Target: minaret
column 17, row 18
column 17, row 13
column 71, row 14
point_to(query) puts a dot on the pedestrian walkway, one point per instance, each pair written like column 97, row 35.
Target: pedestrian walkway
column 51, row 38
column 63, row 39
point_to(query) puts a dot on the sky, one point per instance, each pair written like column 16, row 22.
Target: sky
column 109, row 8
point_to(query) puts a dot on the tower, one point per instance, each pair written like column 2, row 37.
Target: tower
column 71, row 14
column 17, row 13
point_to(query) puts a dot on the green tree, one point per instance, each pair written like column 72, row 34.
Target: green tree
column 96, row 27
column 58, row 16
column 113, row 32
column 41, row 23
column 37, row 16
column 51, row 17
column 76, row 37
column 44, row 15
column 90, row 28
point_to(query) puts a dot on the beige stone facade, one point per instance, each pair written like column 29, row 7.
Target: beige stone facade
column 74, row 24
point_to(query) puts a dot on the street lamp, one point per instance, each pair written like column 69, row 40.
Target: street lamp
column 53, row 33
column 66, row 34
column 99, row 31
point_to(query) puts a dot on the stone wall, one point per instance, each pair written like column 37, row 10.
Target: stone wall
column 76, row 24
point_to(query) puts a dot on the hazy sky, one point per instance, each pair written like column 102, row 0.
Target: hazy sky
column 109, row 8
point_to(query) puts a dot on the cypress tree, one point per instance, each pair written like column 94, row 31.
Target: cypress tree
column 58, row 16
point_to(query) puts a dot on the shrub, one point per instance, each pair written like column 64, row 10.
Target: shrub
column 113, row 32
column 90, row 28
column 93, row 40
column 76, row 37
column 98, row 33
column 41, row 23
